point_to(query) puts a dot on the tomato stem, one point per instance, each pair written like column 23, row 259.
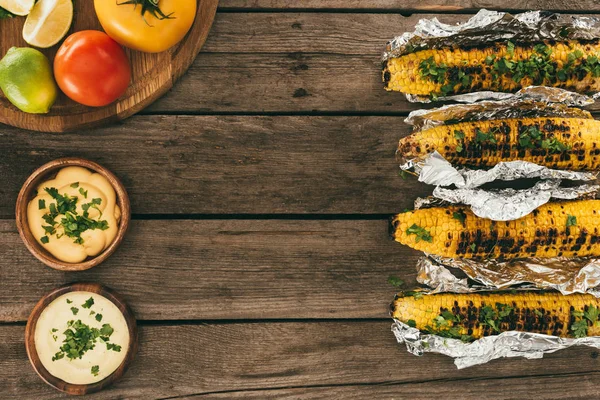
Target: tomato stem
column 150, row 6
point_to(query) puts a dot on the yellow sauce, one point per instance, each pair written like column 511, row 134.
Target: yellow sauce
column 72, row 181
column 50, row 336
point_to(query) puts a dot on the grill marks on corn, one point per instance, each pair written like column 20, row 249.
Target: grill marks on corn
column 549, row 313
column 486, row 143
column 543, row 233
column 405, row 75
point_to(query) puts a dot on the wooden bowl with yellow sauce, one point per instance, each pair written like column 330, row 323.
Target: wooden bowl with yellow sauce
column 72, row 214
column 81, row 337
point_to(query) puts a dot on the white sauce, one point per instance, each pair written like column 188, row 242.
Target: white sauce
column 57, row 314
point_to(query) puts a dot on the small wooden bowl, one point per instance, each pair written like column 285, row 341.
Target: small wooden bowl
column 57, row 383
column 27, row 193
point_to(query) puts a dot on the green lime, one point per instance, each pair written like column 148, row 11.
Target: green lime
column 27, row 81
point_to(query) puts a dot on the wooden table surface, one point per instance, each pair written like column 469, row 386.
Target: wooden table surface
column 261, row 187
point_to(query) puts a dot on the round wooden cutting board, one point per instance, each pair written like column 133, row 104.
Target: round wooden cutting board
column 152, row 74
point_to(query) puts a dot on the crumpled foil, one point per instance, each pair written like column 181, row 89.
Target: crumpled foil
column 566, row 275
column 506, row 344
column 510, row 204
column 529, row 102
column 435, row 170
column 490, row 26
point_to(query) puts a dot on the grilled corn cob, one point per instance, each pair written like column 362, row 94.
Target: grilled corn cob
column 503, row 67
column 567, row 229
column 555, row 142
column 473, row 315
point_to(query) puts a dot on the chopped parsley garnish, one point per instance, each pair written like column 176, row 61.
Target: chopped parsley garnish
column 92, row 312
column 98, row 317
column 80, row 337
column 460, row 216
column 113, row 347
column 444, row 326
column 421, row 233
column 412, row 323
column 433, row 71
column 592, row 314
column 460, row 137
column 484, row 137
column 88, row 303
column 571, row 220
column 84, row 193
column 69, row 301
column 41, row 204
column 473, row 246
column 75, row 185
column 44, row 239
column 95, row 370
column 5, row 14
column 64, row 215
column 74, row 310
column 579, row 328
column 395, row 281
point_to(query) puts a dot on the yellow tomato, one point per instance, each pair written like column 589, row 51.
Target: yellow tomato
column 149, row 33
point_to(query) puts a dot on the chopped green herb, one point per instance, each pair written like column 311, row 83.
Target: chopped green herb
column 579, row 328
column 433, row 71
column 554, row 145
column 72, row 223
column 473, row 246
column 98, row 317
column 489, row 60
column 95, row 370
column 106, row 330
column 75, row 185
column 54, row 330
column 395, row 281
column 577, row 313
column 41, row 204
column 412, row 323
column 592, row 314
column 88, row 303
column 484, row 137
column 69, row 301
column 460, row 216
column 460, row 136
column 420, row 233
column 113, row 347
column 84, row 193
column 44, row 239
column 571, row 220
column 79, row 338
column 74, row 310
column 510, row 48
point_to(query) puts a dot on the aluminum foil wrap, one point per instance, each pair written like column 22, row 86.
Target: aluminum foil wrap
column 566, row 275
column 490, row 26
column 506, row 344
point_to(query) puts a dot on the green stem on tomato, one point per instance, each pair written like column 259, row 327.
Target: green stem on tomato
column 150, row 6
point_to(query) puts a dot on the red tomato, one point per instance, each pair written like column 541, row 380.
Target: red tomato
column 92, row 69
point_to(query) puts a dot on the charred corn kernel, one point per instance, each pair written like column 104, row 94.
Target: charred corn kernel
column 503, row 67
column 555, row 142
column 567, row 229
column 483, row 314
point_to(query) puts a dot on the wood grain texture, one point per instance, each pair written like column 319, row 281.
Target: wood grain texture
column 202, row 359
column 232, row 165
column 302, row 63
column 152, row 74
column 407, row 6
column 229, row 269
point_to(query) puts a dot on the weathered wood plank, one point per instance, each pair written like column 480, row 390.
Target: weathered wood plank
column 231, row 165
column 232, row 269
column 408, row 6
column 579, row 386
column 292, row 63
column 195, row 359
